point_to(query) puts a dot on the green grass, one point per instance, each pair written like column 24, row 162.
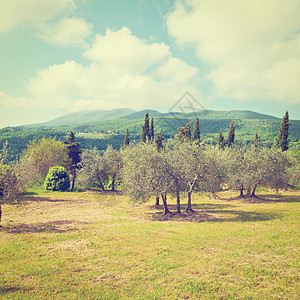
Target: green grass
column 92, row 245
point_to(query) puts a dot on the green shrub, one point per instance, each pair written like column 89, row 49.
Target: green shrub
column 57, row 179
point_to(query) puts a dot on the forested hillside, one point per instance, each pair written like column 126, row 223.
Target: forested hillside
column 111, row 131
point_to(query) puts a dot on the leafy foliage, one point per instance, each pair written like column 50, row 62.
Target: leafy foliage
column 8, row 183
column 40, row 156
column 57, row 179
column 184, row 133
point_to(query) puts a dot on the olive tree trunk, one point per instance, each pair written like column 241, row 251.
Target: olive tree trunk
column 178, row 199
column 189, row 203
column 100, row 182
column 241, row 191
column 157, row 200
column 164, row 199
column 113, row 183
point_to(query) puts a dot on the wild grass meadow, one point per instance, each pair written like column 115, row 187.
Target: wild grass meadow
column 91, row 245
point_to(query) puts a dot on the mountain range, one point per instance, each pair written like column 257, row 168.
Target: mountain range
column 84, row 117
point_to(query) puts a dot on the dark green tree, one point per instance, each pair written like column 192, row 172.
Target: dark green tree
column 281, row 141
column 57, row 179
column 255, row 142
column 196, row 132
column 126, row 140
column 151, row 130
column 145, row 133
column 231, row 135
column 159, row 142
column 184, row 133
column 74, row 154
column 221, row 141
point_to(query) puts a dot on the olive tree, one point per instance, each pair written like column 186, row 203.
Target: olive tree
column 113, row 161
column 143, row 173
column 234, row 159
column 213, row 170
column 173, row 154
column 39, row 156
column 93, row 169
column 8, row 185
column 8, row 179
column 282, row 169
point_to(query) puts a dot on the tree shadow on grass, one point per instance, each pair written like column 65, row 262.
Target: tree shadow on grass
column 265, row 198
column 12, row 289
column 210, row 213
column 61, row 226
column 45, row 199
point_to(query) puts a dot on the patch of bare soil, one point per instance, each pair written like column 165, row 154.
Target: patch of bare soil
column 55, row 226
column 39, row 214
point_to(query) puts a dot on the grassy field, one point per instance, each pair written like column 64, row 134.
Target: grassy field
column 90, row 245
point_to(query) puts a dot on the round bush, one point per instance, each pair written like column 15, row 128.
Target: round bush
column 57, row 179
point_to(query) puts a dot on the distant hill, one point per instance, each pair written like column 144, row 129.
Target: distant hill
column 223, row 115
column 141, row 114
column 100, row 128
column 94, row 116
column 87, row 117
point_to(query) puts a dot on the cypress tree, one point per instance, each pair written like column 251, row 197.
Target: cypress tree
column 145, row 134
column 74, row 152
column 151, row 130
column 231, row 135
column 196, row 132
column 126, row 140
column 281, row 141
column 221, row 141
column 255, row 143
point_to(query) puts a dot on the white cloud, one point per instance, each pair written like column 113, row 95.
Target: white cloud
column 176, row 70
column 127, row 72
column 15, row 12
column 122, row 51
column 9, row 101
column 252, row 47
column 66, row 32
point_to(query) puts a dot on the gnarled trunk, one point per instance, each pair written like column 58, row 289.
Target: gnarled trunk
column 113, row 182
column 100, row 182
column 253, row 192
column 189, row 203
column 157, row 200
column 178, row 200
column 241, row 191
column 248, row 192
column 164, row 199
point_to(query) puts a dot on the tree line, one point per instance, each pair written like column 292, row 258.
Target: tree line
column 154, row 167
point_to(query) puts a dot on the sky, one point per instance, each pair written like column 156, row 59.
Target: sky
column 62, row 56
